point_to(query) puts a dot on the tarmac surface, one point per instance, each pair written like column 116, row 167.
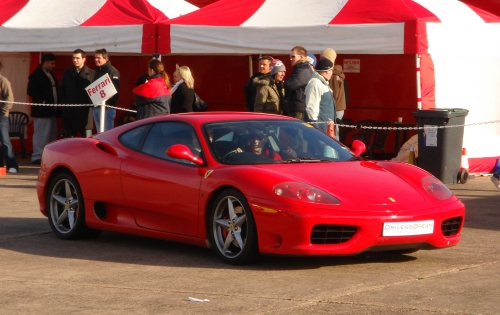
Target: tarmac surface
column 121, row 274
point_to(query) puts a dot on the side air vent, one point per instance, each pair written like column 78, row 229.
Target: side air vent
column 106, row 148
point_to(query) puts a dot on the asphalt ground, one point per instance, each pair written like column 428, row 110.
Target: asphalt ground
column 122, row 274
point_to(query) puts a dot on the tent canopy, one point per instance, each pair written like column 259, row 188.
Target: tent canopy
column 127, row 26
column 351, row 26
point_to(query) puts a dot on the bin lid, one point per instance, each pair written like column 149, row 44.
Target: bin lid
column 441, row 113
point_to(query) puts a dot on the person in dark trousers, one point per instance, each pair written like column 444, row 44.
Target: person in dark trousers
column 295, row 84
column 72, row 91
column 42, row 88
column 249, row 88
column 103, row 66
column 153, row 97
column 182, row 91
column 6, row 99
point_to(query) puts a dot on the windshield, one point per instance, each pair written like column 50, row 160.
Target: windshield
column 272, row 141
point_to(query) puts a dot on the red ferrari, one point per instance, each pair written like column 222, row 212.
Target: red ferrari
column 243, row 184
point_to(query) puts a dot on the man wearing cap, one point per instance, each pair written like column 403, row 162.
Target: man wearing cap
column 296, row 83
column 249, row 89
column 312, row 60
column 320, row 106
column 270, row 97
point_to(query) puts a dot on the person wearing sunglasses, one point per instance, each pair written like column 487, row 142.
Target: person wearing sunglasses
column 295, row 84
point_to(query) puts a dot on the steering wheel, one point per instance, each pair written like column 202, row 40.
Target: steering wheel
column 228, row 154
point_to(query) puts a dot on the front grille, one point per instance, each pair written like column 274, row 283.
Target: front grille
column 332, row 234
column 451, row 226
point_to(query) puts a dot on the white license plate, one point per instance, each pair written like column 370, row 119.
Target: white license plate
column 408, row 228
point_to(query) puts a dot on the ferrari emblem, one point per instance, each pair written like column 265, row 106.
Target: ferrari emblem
column 208, row 173
column 392, row 199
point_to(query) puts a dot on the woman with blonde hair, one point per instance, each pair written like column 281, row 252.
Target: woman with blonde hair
column 182, row 91
column 153, row 97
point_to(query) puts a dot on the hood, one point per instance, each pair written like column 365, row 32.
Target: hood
column 263, row 80
column 337, row 70
column 320, row 77
column 302, row 62
column 361, row 182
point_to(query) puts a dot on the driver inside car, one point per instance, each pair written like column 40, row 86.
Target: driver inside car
column 256, row 144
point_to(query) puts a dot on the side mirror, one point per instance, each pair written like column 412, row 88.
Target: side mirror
column 358, row 147
column 180, row 151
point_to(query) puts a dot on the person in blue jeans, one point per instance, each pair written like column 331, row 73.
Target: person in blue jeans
column 103, row 66
column 6, row 99
column 496, row 179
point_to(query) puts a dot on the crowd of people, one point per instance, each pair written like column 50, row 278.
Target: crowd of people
column 315, row 91
column 153, row 94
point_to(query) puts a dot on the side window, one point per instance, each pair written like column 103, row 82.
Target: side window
column 133, row 139
column 166, row 134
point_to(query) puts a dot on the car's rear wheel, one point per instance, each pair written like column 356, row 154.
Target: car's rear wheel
column 232, row 228
column 66, row 210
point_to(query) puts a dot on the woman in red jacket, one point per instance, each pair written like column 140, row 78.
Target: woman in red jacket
column 153, row 97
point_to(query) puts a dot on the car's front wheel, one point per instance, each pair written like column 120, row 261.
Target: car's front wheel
column 232, row 228
column 66, row 210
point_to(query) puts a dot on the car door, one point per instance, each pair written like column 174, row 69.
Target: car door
column 163, row 192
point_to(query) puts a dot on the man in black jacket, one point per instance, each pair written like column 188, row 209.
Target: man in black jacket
column 250, row 89
column 295, row 84
column 42, row 88
column 72, row 91
column 103, row 66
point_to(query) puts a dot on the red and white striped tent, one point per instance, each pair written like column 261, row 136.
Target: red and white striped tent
column 455, row 44
column 125, row 26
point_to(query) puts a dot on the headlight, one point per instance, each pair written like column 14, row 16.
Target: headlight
column 436, row 188
column 305, row 193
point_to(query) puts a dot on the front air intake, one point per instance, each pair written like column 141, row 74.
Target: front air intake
column 332, row 234
column 451, row 226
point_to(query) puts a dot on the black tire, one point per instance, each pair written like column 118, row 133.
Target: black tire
column 232, row 228
column 66, row 209
column 463, row 176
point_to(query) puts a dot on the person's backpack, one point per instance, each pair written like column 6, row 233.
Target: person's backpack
column 198, row 104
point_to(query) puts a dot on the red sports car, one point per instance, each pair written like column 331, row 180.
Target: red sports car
column 243, row 184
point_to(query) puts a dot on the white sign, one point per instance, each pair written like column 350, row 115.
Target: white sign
column 408, row 228
column 352, row 65
column 430, row 136
column 101, row 90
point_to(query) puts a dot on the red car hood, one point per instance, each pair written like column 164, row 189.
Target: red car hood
column 362, row 182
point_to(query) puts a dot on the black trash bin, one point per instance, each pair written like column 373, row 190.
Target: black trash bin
column 440, row 149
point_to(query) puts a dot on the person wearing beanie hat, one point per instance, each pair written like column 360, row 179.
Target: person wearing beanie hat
column 249, row 88
column 312, row 60
column 337, row 83
column 270, row 96
column 329, row 54
column 320, row 106
column 295, row 84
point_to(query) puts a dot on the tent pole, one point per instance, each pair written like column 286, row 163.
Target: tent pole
column 250, row 65
column 419, row 91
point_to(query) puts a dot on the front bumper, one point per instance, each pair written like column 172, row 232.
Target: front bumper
column 283, row 231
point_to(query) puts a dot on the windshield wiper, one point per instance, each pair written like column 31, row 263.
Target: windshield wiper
column 304, row 160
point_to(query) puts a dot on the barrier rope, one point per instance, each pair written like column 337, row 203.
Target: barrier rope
column 356, row 126
column 69, row 105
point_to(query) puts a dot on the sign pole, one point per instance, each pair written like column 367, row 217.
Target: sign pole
column 103, row 114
